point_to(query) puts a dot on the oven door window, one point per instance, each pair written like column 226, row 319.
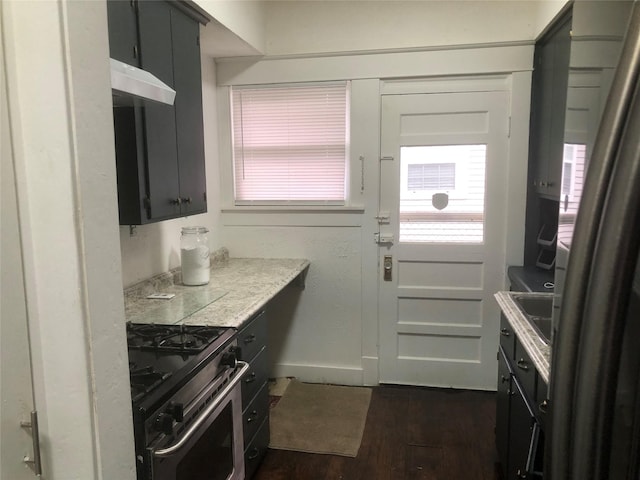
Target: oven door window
column 209, row 444
column 211, row 457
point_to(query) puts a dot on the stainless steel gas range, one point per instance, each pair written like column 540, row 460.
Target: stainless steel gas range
column 187, row 407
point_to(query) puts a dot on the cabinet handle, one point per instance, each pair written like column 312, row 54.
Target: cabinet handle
column 135, row 51
column 504, row 332
column 253, row 416
column 521, row 474
column 254, row 454
column 544, row 406
column 504, row 379
column 250, row 339
column 250, row 378
column 176, row 201
column 523, row 364
column 187, row 200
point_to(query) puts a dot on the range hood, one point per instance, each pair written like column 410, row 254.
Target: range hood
column 129, row 83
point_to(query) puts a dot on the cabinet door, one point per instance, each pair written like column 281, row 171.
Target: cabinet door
column 154, row 20
column 550, row 80
column 123, row 31
column 188, row 110
column 561, row 52
column 542, row 106
column 521, row 435
column 502, row 411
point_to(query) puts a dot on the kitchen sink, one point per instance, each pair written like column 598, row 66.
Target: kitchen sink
column 537, row 310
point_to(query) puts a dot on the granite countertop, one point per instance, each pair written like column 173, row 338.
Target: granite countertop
column 537, row 349
column 531, row 279
column 238, row 288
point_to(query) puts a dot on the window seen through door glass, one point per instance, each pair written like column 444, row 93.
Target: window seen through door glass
column 442, row 190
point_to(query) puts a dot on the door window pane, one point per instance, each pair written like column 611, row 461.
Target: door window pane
column 442, row 193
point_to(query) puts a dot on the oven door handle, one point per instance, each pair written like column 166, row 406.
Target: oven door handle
column 167, row 452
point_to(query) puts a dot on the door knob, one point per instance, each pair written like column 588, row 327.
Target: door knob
column 388, row 266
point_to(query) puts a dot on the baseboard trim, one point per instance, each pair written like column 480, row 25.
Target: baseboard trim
column 320, row 373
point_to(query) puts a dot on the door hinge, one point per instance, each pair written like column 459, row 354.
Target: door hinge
column 34, row 462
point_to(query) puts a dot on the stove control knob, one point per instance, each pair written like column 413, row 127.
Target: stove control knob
column 164, row 423
column 228, row 360
column 176, row 410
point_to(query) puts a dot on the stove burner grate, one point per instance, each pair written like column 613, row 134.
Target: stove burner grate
column 170, row 338
column 144, row 379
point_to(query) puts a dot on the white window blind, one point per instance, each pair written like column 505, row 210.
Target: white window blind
column 290, row 144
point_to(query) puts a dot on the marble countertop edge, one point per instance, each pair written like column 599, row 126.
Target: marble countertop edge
column 538, row 350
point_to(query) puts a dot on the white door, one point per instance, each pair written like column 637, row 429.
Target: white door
column 16, row 382
column 443, row 173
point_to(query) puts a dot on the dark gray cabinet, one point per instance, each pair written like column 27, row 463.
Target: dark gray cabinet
column 548, row 105
column 160, row 148
column 503, row 402
column 123, row 31
column 252, row 343
column 523, row 436
column 519, row 421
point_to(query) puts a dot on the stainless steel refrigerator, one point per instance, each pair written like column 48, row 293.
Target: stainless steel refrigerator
column 595, row 372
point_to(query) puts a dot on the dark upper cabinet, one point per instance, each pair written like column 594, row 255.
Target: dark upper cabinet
column 548, row 105
column 188, row 107
column 160, row 148
column 160, row 127
column 123, row 31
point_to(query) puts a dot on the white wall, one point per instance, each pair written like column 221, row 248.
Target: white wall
column 62, row 131
column 313, row 27
column 546, row 11
column 329, row 332
column 245, row 19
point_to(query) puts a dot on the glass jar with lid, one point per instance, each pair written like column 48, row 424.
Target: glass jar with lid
column 194, row 256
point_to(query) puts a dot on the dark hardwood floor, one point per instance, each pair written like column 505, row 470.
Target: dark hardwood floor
column 411, row 433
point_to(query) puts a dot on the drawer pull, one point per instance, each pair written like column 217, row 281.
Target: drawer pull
column 253, row 416
column 254, row 454
column 523, row 364
column 504, row 332
column 249, row 339
column 250, row 378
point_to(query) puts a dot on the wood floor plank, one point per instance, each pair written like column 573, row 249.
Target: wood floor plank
column 412, row 433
